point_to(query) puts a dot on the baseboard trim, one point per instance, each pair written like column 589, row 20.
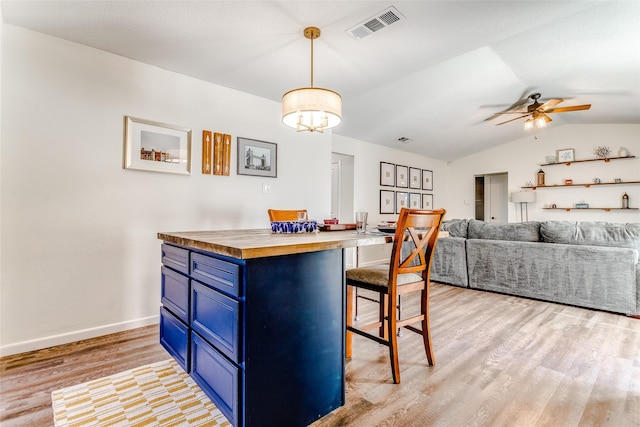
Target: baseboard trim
column 69, row 337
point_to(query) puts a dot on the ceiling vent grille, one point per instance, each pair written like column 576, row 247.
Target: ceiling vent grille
column 376, row 23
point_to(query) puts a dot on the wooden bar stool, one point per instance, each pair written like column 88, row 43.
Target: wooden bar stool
column 408, row 271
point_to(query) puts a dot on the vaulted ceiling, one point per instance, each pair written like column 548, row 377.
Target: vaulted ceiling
column 433, row 77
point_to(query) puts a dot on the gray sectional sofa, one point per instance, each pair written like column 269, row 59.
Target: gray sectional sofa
column 587, row 264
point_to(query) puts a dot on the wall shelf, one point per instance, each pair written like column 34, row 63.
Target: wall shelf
column 588, row 160
column 593, row 209
column 586, row 184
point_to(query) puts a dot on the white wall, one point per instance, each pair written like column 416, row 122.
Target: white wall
column 79, row 250
column 80, row 256
column 521, row 159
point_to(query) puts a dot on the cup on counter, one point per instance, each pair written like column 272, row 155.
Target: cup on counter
column 302, row 216
column 361, row 222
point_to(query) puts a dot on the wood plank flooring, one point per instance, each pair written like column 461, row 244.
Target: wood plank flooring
column 500, row 361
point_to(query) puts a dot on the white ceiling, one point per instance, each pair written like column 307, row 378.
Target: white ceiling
column 433, row 77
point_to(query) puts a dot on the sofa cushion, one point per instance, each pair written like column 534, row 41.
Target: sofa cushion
column 456, row 227
column 592, row 233
column 519, row 232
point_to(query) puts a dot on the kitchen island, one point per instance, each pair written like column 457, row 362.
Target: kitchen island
column 257, row 319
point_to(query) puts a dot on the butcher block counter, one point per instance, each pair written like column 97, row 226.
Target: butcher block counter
column 257, row 319
column 246, row 244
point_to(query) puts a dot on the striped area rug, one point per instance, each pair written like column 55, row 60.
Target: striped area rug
column 160, row 394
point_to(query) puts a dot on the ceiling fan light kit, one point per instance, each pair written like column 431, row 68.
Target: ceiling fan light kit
column 310, row 108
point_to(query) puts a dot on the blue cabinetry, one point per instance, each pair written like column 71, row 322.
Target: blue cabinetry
column 264, row 336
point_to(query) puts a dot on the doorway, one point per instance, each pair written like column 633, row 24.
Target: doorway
column 492, row 197
column 342, row 181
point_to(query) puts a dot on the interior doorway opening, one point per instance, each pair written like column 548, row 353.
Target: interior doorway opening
column 492, row 197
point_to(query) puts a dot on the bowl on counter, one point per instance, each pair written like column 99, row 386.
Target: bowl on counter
column 292, row 227
column 387, row 226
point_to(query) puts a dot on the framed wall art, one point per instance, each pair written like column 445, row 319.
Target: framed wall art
column 402, row 176
column 402, row 200
column 387, row 174
column 257, row 158
column 414, row 201
column 427, row 201
column 387, row 201
column 565, row 155
column 156, row 147
column 427, row 180
column 415, row 177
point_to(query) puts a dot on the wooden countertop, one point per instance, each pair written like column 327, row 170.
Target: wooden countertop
column 245, row 244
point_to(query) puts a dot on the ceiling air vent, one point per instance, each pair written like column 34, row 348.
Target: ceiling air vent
column 375, row 23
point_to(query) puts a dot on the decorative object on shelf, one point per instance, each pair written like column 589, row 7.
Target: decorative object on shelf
column 550, row 159
column 565, row 155
column 625, row 201
column 309, row 108
column 568, row 182
column 617, row 180
column 623, row 152
column 257, row 158
column 540, row 177
column 523, row 197
column 596, row 180
column 582, row 205
column 529, row 183
column 156, row 147
column 553, row 206
column 602, row 152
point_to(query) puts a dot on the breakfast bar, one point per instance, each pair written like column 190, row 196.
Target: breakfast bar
column 257, row 319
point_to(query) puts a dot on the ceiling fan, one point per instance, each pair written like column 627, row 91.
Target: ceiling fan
column 537, row 112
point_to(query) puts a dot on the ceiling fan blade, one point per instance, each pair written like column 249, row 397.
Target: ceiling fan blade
column 524, row 98
column 517, row 118
column 549, row 104
column 565, row 109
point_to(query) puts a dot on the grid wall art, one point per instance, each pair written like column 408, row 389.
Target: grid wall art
column 407, row 183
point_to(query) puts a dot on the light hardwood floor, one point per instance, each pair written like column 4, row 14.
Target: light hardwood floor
column 500, row 361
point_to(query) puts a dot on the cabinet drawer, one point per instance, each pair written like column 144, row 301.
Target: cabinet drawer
column 176, row 258
column 217, row 377
column 175, row 293
column 174, row 337
column 217, row 273
column 217, row 318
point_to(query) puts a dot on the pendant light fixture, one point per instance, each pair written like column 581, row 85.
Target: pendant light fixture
column 310, row 108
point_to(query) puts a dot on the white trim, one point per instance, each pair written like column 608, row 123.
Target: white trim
column 69, row 337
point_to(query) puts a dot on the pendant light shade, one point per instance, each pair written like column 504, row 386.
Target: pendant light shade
column 309, row 108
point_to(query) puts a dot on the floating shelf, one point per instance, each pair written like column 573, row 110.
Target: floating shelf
column 586, row 185
column 588, row 160
column 593, row 209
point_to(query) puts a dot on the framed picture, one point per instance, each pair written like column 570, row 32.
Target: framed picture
column 427, row 201
column 257, row 158
column 415, row 177
column 402, row 176
column 565, row 155
column 387, row 201
column 156, row 147
column 427, row 180
column 414, row 201
column 387, row 174
column 402, row 200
